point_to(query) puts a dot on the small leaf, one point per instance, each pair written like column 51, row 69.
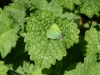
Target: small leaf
column 3, row 68
column 8, row 36
column 90, row 7
column 38, row 71
column 69, row 4
column 89, row 67
column 52, row 6
column 92, row 37
column 17, row 12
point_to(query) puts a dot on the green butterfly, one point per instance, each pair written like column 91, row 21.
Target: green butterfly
column 54, row 32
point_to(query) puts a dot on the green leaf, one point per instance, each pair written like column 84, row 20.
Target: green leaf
column 91, row 64
column 37, row 71
column 92, row 37
column 23, row 3
column 3, row 68
column 8, row 36
column 52, row 6
column 70, row 16
column 69, row 4
column 69, row 30
column 17, row 12
column 40, row 4
column 43, row 51
column 90, row 7
column 55, row 8
column 89, row 67
column 26, row 69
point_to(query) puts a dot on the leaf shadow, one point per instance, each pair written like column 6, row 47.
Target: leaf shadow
column 17, row 56
column 74, row 55
column 97, row 27
column 69, row 62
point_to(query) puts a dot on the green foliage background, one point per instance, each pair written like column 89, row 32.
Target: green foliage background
column 25, row 49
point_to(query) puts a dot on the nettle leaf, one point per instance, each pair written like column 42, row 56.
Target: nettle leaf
column 70, row 16
column 90, row 7
column 70, row 31
column 69, row 4
column 43, row 51
column 40, row 4
column 24, row 3
column 26, row 69
column 37, row 71
column 89, row 67
column 92, row 36
column 8, row 36
column 51, row 6
column 55, row 8
column 17, row 12
column 3, row 68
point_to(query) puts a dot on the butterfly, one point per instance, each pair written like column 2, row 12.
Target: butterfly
column 54, row 32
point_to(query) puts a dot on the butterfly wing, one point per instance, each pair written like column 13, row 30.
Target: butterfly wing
column 54, row 32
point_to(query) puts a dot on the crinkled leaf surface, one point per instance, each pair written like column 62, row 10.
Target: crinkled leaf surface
column 70, row 31
column 43, row 51
column 93, row 39
column 70, row 16
column 52, row 6
column 37, row 71
column 17, row 11
column 26, row 69
column 8, row 36
column 23, row 3
column 40, row 4
column 3, row 68
column 55, row 8
column 90, row 65
column 69, row 4
column 90, row 7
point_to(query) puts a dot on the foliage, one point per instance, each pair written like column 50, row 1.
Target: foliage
column 26, row 50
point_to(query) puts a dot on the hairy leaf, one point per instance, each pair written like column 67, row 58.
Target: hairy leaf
column 69, row 4
column 3, row 68
column 43, row 51
column 8, row 36
column 89, row 67
column 90, row 7
column 55, row 8
column 17, row 12
column 52, row 6
column 69, row 30
column 92, row 37
column 37, row 71
column 26, row 69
